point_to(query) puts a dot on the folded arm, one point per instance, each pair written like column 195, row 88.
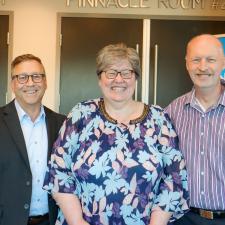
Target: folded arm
column 159, row 217
column 71, row 208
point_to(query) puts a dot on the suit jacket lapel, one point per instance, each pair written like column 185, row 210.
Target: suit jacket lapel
column 11, row 119
column 50, row 129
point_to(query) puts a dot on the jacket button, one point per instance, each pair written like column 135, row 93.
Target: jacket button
column 26, row 206
column 28, row 183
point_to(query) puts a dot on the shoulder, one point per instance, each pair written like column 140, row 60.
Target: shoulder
column 178, row 106
column 156, row 114
column 83, row 110
column 182, row 100
column 8, row 108
column 158, row 118
column 179, row 103
column 155, row 107
column 51, row 113
column 155, row 110
column 85, row 106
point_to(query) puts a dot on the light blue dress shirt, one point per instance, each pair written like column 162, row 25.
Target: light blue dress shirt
column 36, row 139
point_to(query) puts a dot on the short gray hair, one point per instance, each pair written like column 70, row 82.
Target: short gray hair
column 114, row 52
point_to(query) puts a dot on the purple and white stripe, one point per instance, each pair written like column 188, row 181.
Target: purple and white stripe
column 202, row 141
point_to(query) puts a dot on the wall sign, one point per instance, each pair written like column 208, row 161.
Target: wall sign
column 161, row 4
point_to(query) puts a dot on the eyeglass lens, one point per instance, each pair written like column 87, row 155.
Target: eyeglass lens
column 23, row 78
column 125, row 74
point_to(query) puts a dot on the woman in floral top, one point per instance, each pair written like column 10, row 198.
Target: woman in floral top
column 116, row 161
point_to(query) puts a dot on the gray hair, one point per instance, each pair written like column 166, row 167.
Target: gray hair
column 115, row 52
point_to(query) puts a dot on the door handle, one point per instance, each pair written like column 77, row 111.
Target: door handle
column 6, row 97
column 156, row 48
column 136, row 81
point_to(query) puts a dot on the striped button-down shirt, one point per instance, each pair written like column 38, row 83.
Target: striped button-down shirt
column 202, row 141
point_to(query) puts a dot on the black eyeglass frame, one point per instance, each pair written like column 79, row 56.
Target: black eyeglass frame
column 118, row 72
column 27, row 76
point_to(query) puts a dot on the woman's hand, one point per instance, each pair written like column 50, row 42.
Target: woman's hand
column 159, row 217
column 83, row 222
column 71, row 208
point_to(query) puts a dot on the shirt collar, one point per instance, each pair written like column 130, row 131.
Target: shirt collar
column 190, row 97
column 23, row 115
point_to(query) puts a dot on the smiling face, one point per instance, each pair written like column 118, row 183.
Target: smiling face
column 118, row 89
column 205, row 61
column 29, row 94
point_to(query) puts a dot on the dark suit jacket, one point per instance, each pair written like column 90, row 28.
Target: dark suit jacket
column 15, row 173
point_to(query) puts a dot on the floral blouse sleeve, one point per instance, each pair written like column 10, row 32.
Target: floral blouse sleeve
column 173, row 193
column 59, row 176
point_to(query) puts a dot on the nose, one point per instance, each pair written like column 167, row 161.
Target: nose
column 118, row 78
column 202, row 65
column 30, row 81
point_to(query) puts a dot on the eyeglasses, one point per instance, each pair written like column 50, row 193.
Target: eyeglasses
column 23, row 78
column 112, row 74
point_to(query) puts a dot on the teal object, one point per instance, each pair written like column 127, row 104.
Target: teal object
column 222, row 39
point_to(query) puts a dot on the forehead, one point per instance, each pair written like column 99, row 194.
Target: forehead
column 203, row 47
column 29, row 66
column 120, row 63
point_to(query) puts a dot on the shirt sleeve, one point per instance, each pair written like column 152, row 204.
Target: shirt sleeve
column 173, row 189
column 59, row 176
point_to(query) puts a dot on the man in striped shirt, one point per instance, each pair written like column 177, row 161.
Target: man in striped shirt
column 199, row 119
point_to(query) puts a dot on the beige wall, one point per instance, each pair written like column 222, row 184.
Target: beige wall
column 34, row 26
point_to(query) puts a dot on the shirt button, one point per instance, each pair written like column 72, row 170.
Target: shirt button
column 203, row 115
column 202, row 173
column 35, row 142
column 26, row 206
column 28, row 183
column 202, row 153
column 38, row 180
column 202, row 133
column 202, row 192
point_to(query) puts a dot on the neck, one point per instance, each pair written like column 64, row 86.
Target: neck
column 122, row 111
column 32, row 111
column 208, row 98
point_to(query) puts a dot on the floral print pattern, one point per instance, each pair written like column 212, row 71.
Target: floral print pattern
column 120, row 174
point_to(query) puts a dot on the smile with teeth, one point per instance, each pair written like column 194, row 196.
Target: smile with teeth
column 117, row 88
column 30, row 92
column 204, row 74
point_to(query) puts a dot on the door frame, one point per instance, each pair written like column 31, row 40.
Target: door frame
column 9, row 93
column 144, row 57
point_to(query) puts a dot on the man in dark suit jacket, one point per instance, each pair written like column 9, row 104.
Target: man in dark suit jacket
column 27, row 132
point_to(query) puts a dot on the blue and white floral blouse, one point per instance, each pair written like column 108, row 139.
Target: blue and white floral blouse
column 120, row 173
